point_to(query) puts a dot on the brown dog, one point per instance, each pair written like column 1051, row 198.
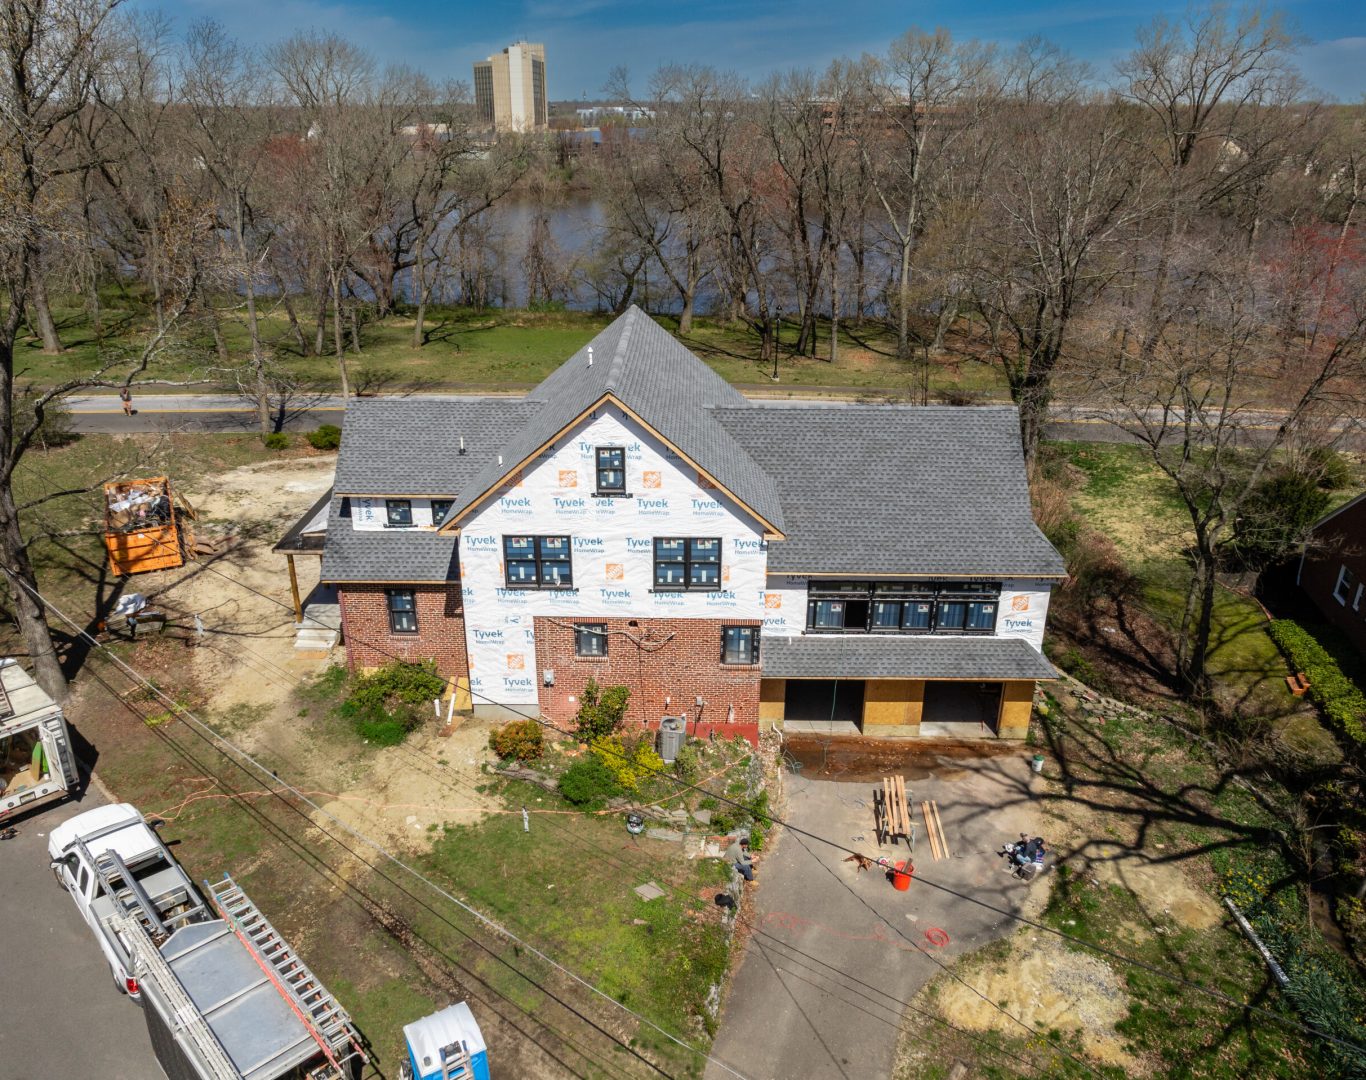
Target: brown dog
column 864, row 863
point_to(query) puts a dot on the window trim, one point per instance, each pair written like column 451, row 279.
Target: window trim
column 390, row 595
column 687, row 562
column 436, row 519
column 404, row 506
column 595, row 629
column 754, row 637
column 599, row 489
column 1343, row 587
column 539, row 558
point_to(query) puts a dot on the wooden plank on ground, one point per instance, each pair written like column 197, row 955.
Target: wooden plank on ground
column 929, row 830
column 943, row 836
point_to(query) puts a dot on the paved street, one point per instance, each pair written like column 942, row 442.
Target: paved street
column 60, row 1015
column 837, row 952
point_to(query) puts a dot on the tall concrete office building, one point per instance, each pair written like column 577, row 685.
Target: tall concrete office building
column 509, row 88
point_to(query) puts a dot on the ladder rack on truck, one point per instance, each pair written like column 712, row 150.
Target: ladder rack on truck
column 187, row 1024
column 130, row 898
column 321, row 1014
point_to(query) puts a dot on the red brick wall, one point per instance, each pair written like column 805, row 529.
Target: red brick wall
column 678, row 658
column 1338, row 542
column 440, row 628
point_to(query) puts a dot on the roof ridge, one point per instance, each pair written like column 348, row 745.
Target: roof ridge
column 619, row 356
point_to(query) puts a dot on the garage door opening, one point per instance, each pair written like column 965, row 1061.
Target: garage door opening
column 823, row 705
column 963, row 709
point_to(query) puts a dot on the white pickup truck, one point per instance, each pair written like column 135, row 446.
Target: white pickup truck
column 224, row 996
column 36, row 763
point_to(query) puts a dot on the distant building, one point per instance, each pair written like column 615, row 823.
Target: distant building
column 596, row 114
column 509, row 88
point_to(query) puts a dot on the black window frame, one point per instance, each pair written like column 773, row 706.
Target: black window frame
column 585, row 630
column 866, row 600
column 690, row 561
column 405, row 510
column 752, row 634
column 539, row 560
column 398, row 616
column 445, row 505
column 607, row 490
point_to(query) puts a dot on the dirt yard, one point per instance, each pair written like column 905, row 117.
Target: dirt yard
column 247, row 668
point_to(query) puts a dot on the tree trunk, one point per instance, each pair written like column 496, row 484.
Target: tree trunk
column 337, row 340
column 320, row 328
column 47, row 329
column 29, row 611
column 294, row 328
column 903, row 315
column 420, row 288
column 1194, row 674
column 220, row 346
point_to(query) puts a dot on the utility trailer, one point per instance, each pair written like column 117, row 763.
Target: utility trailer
column 37, row 765
column 224, row 995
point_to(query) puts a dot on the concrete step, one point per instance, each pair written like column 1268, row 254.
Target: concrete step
column 315, row 638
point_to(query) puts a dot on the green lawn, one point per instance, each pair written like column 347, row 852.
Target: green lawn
column 1125, row 496
column 502, row 349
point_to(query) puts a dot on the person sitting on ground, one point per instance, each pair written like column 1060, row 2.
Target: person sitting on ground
column 738, row 856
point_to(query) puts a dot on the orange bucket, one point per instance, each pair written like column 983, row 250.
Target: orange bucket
column 901, row 876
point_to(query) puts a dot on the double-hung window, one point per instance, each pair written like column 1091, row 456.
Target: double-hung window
column 590, row 640
column 611, row 470
column 399, row 512
column 402, row 605
column 739, row 645
column 440, row 507
column 687, row 562
column 537, row 562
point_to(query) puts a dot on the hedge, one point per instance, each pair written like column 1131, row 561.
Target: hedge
column 1340, row 699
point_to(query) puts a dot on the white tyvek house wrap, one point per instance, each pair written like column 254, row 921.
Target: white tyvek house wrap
column 1022, row 611
column 613, row 551
column 369, row 515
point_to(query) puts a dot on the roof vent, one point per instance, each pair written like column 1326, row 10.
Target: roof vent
column 590, row 356
column 462, row 444
column 500, row 460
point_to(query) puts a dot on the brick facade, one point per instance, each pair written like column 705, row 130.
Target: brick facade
column 678, row 659
column 440, row 628
column 1336, row 543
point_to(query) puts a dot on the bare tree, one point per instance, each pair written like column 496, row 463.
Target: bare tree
column 927, row 94
column 1200, row 401
column 1067, row 192
column 1215, row 93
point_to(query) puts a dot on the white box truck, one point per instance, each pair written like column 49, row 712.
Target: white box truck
column 36, row 762
column 223, row 994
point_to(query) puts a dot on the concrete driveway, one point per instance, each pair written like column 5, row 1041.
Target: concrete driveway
column 836, row 955
column 59, row 1012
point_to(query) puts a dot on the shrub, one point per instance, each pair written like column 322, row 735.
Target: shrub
column 387, row 704
column 520, row 739
column 1340, row 699
column 601, row 710
column 1276, row 516
column 325, row 437
column 1329, row 468
column 277, row 440
column 588, row 783
column 628, row 760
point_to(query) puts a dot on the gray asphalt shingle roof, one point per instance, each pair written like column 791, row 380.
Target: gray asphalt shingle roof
column 398, row 555
column 873, row 656
column 656, row 377
column 896, row 489
column 410, row 446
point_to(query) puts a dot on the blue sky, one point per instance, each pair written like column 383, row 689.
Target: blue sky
column 584, row 39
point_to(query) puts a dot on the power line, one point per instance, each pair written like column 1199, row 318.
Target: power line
column 1179, row 980
column 490, row 923
column 316, row 862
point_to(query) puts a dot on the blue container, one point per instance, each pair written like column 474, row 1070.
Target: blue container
column 438, row 1043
